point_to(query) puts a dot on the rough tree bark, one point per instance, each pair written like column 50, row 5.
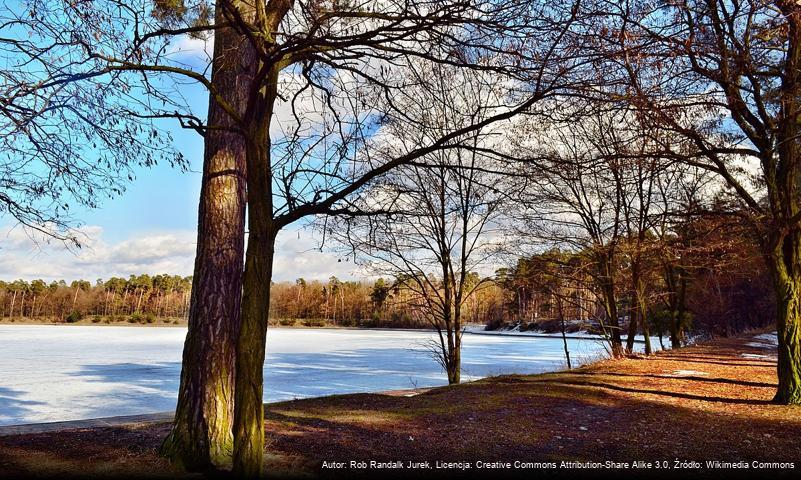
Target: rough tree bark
column 202, row 435
column 784, row 262
column 249, row 416
column 784, row 252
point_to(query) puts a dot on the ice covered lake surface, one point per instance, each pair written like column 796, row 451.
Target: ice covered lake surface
column 56, row 373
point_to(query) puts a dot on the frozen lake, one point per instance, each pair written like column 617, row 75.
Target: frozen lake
column 56, row 373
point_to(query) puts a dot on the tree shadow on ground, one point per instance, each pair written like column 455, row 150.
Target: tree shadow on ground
column 694, row 378
column 536, row 421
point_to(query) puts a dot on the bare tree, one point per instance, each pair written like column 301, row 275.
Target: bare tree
column 725, row 75
column 431, row 224
column 597, row 191
column 575, row 201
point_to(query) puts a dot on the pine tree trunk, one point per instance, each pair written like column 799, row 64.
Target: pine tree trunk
column 202, row 435
column 249, row 415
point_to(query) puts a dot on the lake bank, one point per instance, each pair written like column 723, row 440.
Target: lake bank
column 696, row 405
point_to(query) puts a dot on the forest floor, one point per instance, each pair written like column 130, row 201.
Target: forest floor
column 709, row 402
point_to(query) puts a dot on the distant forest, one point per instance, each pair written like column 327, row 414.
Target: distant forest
column 709, row 280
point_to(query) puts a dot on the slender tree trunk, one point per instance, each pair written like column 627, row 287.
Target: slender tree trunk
column 561, row 312
column 673, row 303
column 639, row 313
column 609, row 300
column 202, row 434
column 634, row 319
column 642, row 309
column 139, row 300
column 455, row 366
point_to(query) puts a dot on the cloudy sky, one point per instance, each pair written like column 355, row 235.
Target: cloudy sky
column 115, row 249
column 152, row 229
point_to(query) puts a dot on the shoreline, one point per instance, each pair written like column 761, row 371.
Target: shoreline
column 161, row 417
column 467, row 330
column 702, row 397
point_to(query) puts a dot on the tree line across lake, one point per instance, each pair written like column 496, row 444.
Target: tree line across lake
column 704, row 278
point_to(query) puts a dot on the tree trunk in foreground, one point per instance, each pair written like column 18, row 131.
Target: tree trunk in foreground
column 784, row 252
column 201, row 437
column 262, row 230
column 785, row 266
column 249, row 418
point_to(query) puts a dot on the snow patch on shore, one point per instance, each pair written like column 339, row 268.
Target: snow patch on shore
column 764, row 340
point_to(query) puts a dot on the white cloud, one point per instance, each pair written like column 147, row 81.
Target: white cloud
column 298, row 255
column 28, row 256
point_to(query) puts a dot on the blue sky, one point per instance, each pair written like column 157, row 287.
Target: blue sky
column 161, row 198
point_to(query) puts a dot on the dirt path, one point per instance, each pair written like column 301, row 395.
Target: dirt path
column 709, row 402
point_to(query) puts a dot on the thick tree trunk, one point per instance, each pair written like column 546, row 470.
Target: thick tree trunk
column 784, row 252
column 202, row 436
column 249, row 412
column 785, row 263
column 249, row 417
